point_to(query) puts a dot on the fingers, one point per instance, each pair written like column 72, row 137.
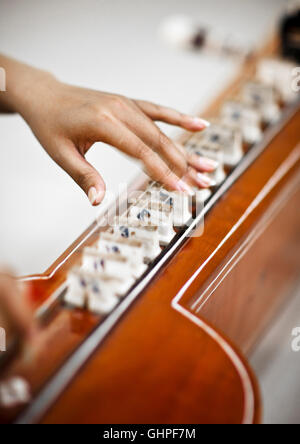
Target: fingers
column 117, row 134
column 202, row 164
column 168, row 115
column 81, row 171
column 14, row 305
column 200, row 180
column 153, row 137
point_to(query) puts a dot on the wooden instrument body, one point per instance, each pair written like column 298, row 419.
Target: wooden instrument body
column 161, row 357
column 248, row 259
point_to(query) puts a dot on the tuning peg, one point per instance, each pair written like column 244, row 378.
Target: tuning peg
column 112, row 265
column 101, row 297
column 179, row 202
column 132, row 228
column 76, row 294
column 158, row 215
column 202, row 195
column 226, row 139
column 204, row 148
column 130, row 248
column 243, row 117
column 278, row 74
column 262, row 97
column 85, row 288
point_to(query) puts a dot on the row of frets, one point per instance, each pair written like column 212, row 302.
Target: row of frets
column 136, row 238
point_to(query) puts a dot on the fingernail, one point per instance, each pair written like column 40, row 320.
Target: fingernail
column 208, row 164
column 93, row 196
column 182, row 186
column 205, row 181
column 201, row 123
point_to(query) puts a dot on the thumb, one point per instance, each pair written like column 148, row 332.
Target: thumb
column 83, row 173
column 88, row 178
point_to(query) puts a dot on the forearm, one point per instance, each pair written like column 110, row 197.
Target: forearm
column 22, row 83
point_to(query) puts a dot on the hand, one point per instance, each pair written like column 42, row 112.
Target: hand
column 14, row 310
column 68, row 120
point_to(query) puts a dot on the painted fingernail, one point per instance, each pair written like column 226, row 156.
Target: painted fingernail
column 184, row 187
column 208, row 164
column 205, row 181
column 201, row 123
column 93, row 195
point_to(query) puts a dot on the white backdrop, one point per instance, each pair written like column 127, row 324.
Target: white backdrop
column 110, row 45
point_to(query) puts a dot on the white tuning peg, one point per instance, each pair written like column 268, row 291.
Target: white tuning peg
column 226, row 139
column 218, row 175
column 262, row 97
column 85, row 288
column 244, row 117
column 130, row 248
column 204, row 148
column 14, row 391
column 112, row 265
column 278, row 74
column 202, row 195
column 179, row 202
column 76, row 294
column 131, row 228
column 159, row 194
column 181, row 208
column 101, row 296
column 158, row 215
column 113, row 284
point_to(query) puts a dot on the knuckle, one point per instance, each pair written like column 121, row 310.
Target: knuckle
column 163, row 141
column 118, row 103
column 167, row 173
column 157, row 108
column 95, row 110
column 84, row 178
column 183, row 168
column 176, row 158
column 143, row 152
column 104, row 116
column 190, row 171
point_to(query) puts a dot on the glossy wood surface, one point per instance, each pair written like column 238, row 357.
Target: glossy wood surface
column 158, row 367
column 163, row 362
column 155, row 318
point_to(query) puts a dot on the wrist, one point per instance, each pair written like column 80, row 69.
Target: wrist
column 24, row 86
column 28, row 93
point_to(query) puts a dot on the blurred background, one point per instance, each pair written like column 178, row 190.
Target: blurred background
column 114, row 45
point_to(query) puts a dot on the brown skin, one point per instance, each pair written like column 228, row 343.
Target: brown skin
column 15, row 311
column 68, row 120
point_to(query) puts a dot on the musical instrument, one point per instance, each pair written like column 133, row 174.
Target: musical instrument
column 148, row 319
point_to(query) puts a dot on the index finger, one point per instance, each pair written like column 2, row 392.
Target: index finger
column 171, row 116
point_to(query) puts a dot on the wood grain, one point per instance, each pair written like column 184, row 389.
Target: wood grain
column 163, row 362
column 152, row 331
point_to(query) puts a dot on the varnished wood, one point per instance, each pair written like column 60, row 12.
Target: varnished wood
column 157, row 367
column 240, row 308
column 162, row 362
